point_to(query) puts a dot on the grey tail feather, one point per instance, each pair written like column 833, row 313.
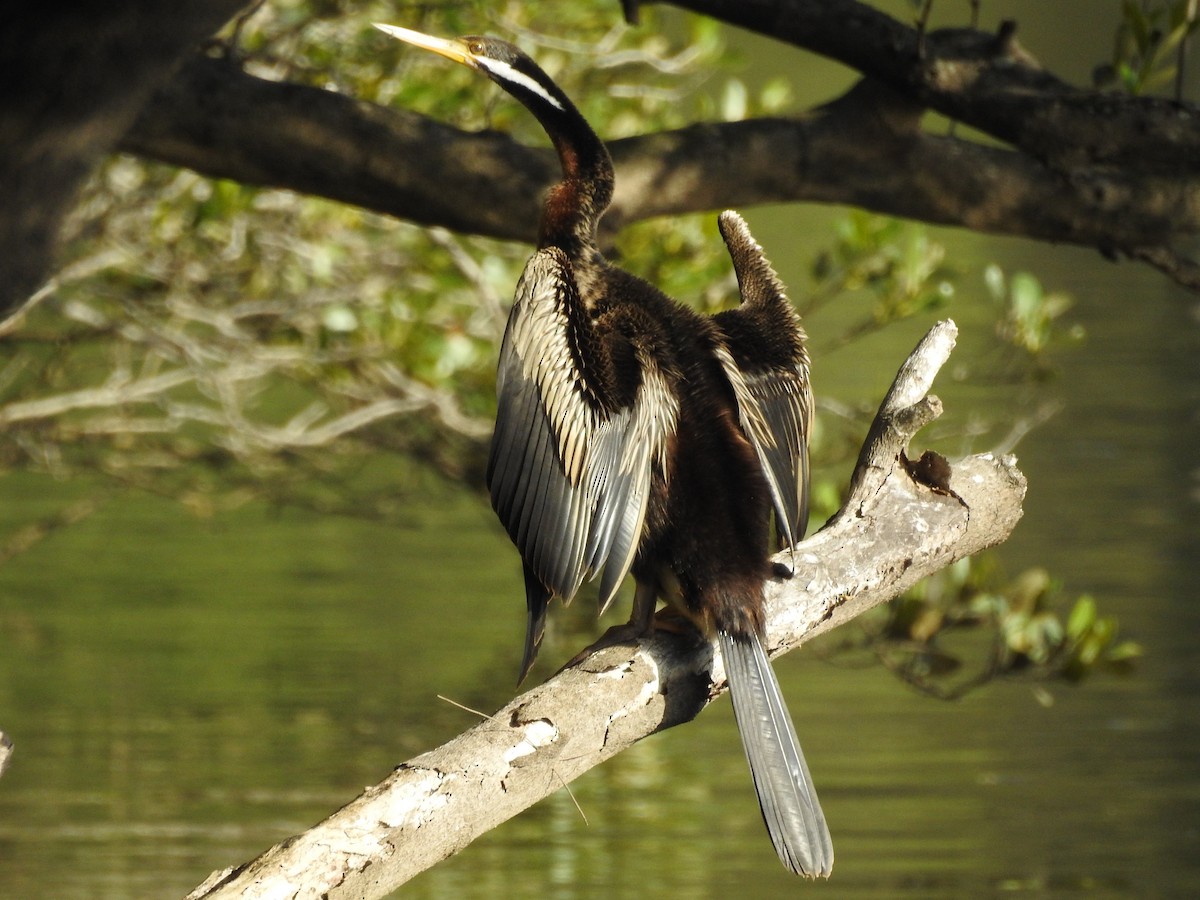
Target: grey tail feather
column 537, row 598
column 785, row 790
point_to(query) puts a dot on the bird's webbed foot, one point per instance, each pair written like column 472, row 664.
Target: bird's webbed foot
column 782, row 571
column 626, row 633
column 641, row 622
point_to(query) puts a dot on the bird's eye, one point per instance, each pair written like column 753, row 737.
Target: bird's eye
column 476, row 47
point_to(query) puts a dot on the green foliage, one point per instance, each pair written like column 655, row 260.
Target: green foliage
column 896, row 263
column 685, row 255
column 1091, row 641
column 219, row 343
column 216, row 342
column 1148, row 45
column 928, row 635
column 1030, row 315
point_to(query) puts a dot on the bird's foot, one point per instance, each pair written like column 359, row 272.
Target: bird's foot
column 667, row 619
column 782, row 570
column 628, row 633
column 672, row 620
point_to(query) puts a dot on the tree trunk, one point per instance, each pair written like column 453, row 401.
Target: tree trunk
column 72, row 80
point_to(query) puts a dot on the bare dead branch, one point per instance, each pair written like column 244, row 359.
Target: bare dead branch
column 28, row 536
column 1179, row 268
column 117, row 392
column 6, row 750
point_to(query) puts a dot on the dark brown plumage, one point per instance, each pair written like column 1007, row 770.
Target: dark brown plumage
column 636, row 435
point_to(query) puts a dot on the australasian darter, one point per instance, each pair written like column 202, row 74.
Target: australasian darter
column 635, row 435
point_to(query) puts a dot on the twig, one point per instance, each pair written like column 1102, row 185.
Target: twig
column 6, row 750
column 1179, row 268
column 26, row 537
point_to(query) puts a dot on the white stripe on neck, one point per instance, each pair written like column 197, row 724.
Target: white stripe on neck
column 505, row 72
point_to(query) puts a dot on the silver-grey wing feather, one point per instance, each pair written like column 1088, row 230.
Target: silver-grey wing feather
column 775, row 412
column 775, row 402
column 569, row 474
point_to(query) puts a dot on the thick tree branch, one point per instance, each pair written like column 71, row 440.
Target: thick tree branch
column 892, row 531
column 220, row 121
column 986, row 81
column 1175, row 265
column 865, row 149
column 1094, row 168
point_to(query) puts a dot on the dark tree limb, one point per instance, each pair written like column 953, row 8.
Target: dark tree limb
column 892, row 531
column 983, row 80
column 220, row 121
column 72, row 79
column 1098, row 169
column 1175, row 265
column 865, row 149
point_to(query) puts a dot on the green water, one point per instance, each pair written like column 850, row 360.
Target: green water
column 183, row 693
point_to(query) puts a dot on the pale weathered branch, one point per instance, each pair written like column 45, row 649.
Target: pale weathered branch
column 6, row 748
column 119, row 391
column 187, row 376
column 892, row 531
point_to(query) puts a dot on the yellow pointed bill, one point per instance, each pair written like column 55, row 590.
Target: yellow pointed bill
column 455, row 50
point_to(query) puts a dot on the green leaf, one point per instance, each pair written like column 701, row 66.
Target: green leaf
column 775, row 95
column 993, row 279
column 734, row 101
column 1026, row 592
column 1124, row 652
column 339, row 319
column 1083, row 616
column 1139, row 23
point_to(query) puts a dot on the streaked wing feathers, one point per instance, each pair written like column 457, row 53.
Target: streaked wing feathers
column 775, row 410
column 768, row 368
column 570, row 466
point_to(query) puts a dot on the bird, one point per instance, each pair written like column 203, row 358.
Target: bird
column 636, row 435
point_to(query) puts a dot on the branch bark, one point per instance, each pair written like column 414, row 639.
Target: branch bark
column 983, row 80
column 892, row 531
column 6, row 749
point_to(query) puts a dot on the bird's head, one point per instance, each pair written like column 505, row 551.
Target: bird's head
column 499, row 60
column 573, row 206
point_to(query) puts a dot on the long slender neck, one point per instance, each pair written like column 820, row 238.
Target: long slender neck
column 574, row 206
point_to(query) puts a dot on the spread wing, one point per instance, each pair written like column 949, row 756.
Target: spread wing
column 572, row 454
column 766, row 363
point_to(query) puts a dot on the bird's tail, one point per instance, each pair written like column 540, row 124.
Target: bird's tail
column 785, row 790
column 537, row 598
